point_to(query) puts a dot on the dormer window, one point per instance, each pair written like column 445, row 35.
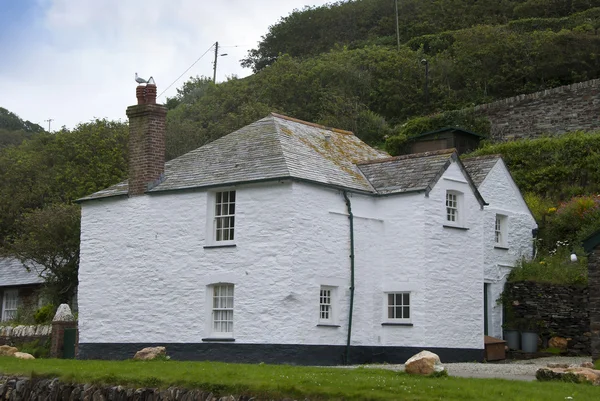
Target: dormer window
column 452, row 207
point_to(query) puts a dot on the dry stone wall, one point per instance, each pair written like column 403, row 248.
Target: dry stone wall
column 553, row 310
column 553, row 111
column 21, row 334
column 24, row 389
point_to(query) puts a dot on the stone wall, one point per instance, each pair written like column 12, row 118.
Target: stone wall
column 23, row 389
column 594, row 300
column 554, row 310
column 555, row 111
column 22, row 334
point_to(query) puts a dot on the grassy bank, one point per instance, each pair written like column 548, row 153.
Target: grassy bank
column 275, row 381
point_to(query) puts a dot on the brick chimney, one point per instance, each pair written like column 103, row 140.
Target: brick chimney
column 146, row 140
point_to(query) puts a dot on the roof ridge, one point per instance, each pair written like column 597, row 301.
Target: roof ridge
column 494, row 155
column 410, row 156
column 296, row 120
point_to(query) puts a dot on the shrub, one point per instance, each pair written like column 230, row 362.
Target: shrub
column 38, row 348
column 554, row 267
column 44, row 314
column 572, row 221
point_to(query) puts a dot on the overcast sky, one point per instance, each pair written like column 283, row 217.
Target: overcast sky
column 75, row 60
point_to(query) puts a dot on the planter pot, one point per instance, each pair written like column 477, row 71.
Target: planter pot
column 529, row 341
column 512, row 338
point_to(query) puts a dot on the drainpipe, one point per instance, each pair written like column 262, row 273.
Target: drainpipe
column 351, row 218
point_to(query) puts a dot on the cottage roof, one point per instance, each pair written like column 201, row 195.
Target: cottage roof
column 13, row 273
column 413, row 172
column 479, row 167
column 275, row 147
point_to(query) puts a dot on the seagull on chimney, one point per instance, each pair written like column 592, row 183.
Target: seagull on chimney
column 139, row 80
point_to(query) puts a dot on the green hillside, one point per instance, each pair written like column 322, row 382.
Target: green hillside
column 339, row 65
column 14, row 130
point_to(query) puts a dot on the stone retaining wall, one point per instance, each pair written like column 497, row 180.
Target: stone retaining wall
column 22, row 334
column 553, row 111
column 24, row 389
column 554, row 310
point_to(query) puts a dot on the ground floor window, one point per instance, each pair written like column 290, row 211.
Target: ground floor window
column 398, row 306
column 222, row 309
column 10, row 301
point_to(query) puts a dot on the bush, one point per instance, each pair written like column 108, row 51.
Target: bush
column 37, row 348
column 45, row 314
column 554, row 267
column 571, row 222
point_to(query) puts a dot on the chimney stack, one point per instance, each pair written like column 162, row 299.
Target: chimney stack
column 146, row 140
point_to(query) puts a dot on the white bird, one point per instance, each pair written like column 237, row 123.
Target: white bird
column 139, row 80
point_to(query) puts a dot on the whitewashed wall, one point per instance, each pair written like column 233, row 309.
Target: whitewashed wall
column 144, row 268
column 503, row 197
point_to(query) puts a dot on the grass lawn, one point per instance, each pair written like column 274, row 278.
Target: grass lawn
column 278, row 381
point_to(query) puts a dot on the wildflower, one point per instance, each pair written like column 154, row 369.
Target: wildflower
column 552, row 210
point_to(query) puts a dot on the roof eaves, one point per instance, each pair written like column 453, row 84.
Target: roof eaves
column 445, row 129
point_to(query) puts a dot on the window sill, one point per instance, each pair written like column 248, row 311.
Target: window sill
column 504, row 248
column 220, row 340
column 455, row 227
column 328, row 325
column 396, row 324
column 219, row 246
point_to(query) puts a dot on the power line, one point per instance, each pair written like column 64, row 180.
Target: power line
column 189, row 68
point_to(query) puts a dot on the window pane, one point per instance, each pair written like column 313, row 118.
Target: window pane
column 225, row 197
column 405, row 312
column 232, row 196
column 405, row 299
column 391, row 313
column 390, row 299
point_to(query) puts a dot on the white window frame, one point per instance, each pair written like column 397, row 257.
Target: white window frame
column 454, row 208
column 10, row 304
column 221, row 312
column 328, row 305
column 227, row 233
column 501, row 231
column 392, row 309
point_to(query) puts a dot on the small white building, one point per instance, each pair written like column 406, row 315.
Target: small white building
column 508, row 231
column 284, row 242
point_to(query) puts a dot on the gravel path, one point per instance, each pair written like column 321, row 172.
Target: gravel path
column 509, row 369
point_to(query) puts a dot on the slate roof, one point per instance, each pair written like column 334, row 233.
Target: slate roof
column 407, row 173
column 274, row 147
column 479, row 167
column 12, row 273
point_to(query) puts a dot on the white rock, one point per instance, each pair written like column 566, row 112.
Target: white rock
column 23, row 355
column 63, row 314
column 423, row 363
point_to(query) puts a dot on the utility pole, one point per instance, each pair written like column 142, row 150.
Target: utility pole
column 49, row 121
column 397, row 26
column 215, row 63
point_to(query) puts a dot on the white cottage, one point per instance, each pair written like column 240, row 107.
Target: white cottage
column 509, row 227
column 283, row 242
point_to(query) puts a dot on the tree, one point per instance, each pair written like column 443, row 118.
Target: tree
column 48, row 239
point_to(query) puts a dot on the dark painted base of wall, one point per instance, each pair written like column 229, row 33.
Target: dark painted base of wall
column 276, row 353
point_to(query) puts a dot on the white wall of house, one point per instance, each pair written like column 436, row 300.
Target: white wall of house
column 504, row 198
column 144, row 267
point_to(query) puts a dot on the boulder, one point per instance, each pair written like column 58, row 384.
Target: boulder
column 63, row 314
column 573, row 374
column 7, row 350
column 423, row 363
column 23, row 355
column 149, row 353
column 558, row 342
